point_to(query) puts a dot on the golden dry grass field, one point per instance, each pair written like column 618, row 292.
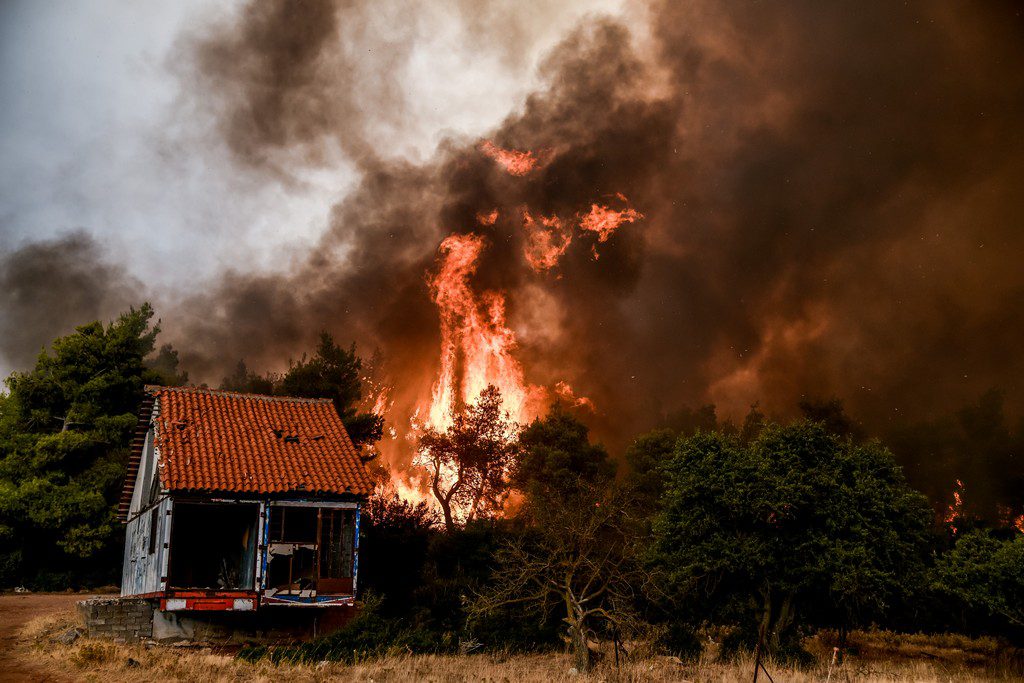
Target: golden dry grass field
column 881, row 656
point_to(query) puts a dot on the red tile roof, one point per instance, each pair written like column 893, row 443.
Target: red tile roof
column 219, row 441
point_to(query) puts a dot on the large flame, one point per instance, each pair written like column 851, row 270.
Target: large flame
column 476, row 343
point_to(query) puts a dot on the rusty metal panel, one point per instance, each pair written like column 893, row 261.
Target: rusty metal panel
column 212, row 603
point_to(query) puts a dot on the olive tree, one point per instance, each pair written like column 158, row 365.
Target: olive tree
column 797, row 527
column 577, row 550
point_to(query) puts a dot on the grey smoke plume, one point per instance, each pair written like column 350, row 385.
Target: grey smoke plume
column 48, row 288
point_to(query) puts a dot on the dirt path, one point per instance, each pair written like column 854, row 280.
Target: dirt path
column 16, row 610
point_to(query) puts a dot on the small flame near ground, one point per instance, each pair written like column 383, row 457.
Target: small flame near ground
column 1006, row 517
column 956, row 508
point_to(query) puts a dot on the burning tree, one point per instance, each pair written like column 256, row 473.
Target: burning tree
column 577, row 554
column 469, row 462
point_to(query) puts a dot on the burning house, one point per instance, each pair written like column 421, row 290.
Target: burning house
column 236, row 502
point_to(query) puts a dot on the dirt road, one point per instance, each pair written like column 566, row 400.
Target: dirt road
column 15, row 611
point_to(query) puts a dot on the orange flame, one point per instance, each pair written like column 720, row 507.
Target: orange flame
column 1018, row 524
column 955, row 510
column 546, row 242
column 382, row 401
column 566, row 393
column 408, row 486
column 604, row 220
column 476, row 343
column 513, row 161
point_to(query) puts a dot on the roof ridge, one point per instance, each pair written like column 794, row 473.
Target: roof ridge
column 157, row 388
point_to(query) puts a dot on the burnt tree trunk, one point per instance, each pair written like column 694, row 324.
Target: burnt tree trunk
column 445, row 499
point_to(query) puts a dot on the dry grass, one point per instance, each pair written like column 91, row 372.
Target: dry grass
column 880, row 656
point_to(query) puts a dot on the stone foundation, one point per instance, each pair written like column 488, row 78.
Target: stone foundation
column 267, row 625
column 130, row 620
column 123, row 620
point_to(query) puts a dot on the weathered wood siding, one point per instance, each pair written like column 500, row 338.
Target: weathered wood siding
column 145, row 571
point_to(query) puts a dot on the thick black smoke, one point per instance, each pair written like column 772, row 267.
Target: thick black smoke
column 287, row 84
column 601, row 134
column 851, row 218
column 830, row 195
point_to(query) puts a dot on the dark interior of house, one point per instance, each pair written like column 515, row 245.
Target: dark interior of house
column 213, row 546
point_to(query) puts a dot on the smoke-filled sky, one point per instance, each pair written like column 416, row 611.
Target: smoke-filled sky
column 831, row 192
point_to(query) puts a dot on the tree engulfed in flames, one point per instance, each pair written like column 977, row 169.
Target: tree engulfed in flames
column 476, row 342
column 477, row 345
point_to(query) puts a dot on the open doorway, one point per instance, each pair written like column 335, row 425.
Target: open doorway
column 337, row 542
column 213, row 546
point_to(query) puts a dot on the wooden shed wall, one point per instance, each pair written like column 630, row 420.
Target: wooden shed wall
column 143, row 571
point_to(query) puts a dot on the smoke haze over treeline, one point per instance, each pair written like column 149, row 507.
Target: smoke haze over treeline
column 830, row 196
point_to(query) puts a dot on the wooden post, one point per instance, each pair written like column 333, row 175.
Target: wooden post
column 835, row 651
column 758, row 650
column 316, row 553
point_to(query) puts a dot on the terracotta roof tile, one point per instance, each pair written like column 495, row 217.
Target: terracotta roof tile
column 219, row 441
